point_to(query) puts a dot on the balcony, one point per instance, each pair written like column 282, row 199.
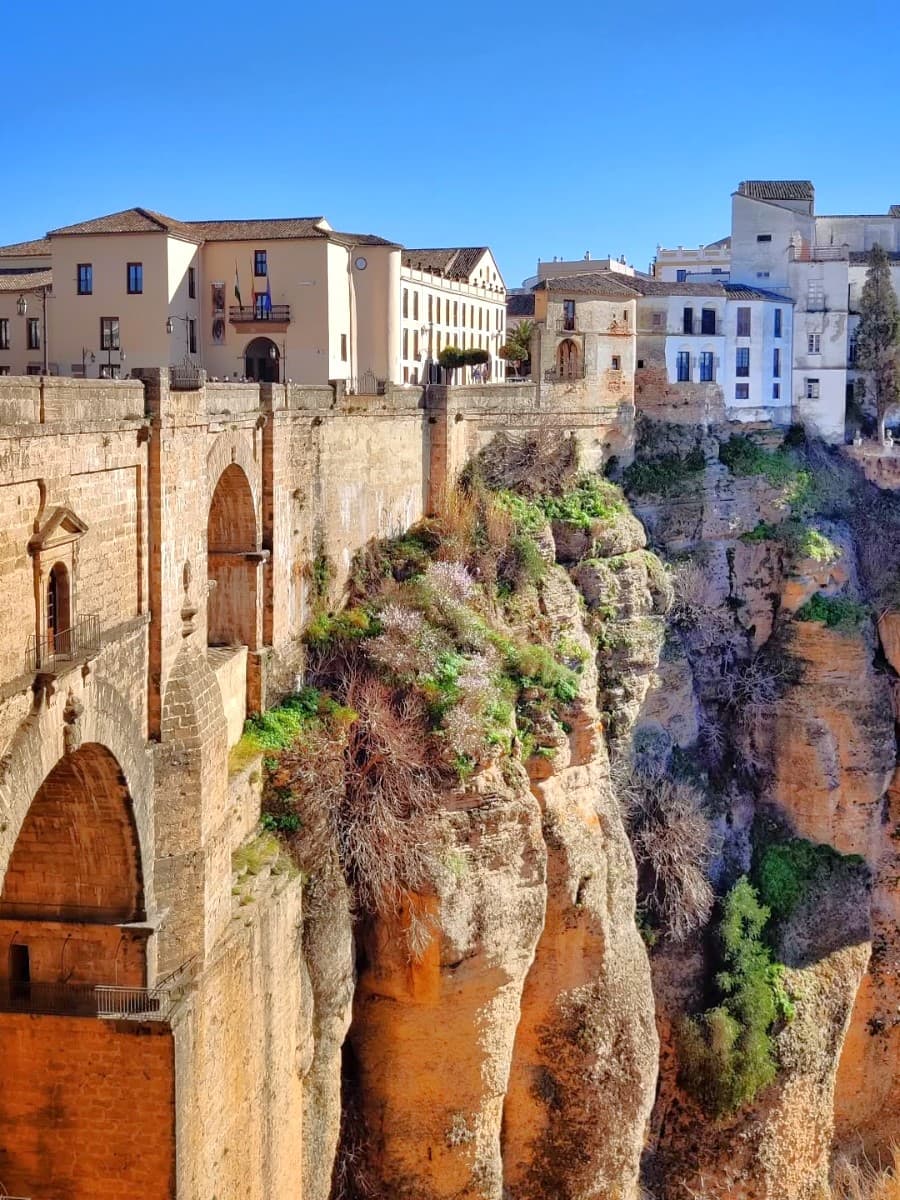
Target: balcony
column 565, row 325
column 819, row 253
column 108, row 1001
column 555, row 375
column 277, row 314
column 54, row 652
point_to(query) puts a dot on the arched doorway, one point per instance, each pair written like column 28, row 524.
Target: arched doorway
column 59, row 610
column 232, row 562
column 262, row 362
column 568, row 360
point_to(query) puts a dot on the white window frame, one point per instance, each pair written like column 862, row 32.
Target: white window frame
column 814, row 343
column 812, row 389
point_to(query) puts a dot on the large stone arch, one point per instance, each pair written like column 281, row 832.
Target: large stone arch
column 99, row 715
column 234, row 447
column 234, row 563
column 77, row 855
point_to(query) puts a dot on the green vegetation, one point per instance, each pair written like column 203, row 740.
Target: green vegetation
column 837, row 612
column 787, row 872
column 664, row 475
column 528, row 515
column 742, row 456
column 727, row 1053
column 798, row 538
column 878, row 336
column 593, row 498
column 346, row 625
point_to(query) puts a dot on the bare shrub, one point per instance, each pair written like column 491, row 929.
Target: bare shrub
column 543, row 462
column 672, row 840
column 706, row 624
column 861, row 1179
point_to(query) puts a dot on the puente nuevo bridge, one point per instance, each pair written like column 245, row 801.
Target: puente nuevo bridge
column 157, row 546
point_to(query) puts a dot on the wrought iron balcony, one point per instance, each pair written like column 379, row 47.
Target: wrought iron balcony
column 566, row 325
column 253, row 314
column 555, row 375
column 53, row 651
column 84, row 1000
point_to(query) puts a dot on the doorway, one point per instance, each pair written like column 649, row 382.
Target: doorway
column 262, row 362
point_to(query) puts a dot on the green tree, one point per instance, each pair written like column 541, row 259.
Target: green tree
column 878, row 336
column 517, row 348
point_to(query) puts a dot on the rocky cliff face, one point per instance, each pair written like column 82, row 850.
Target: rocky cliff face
column 523, row 1044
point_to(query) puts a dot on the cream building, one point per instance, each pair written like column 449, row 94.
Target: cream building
column 452, row 296
column 266, row 300
column 683, row 264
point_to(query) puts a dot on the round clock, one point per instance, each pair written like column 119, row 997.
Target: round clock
column 361, row 264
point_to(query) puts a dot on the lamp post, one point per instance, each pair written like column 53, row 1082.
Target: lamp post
column 22, row 309
column 186, row 321
column 273, row 355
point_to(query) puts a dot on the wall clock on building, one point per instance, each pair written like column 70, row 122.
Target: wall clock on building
column 361, row 264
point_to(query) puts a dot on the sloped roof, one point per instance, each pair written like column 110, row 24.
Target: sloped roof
column 722, row 244
column 453, row 262
column 590, row 283
column 894, row 210
column 259, row 230
column 520, row 304
column 24, row 281
column 130, row 220
column 26, row 249
column 670, row 287
column 742, row 291
column 777, row 189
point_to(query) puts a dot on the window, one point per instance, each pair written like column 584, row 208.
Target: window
column 688, row 321
column 851, row 351
column 406, row 302
column 743, row 322
column 4, row 370
column 616, row 362
column 683, row 367
column 657, row 320
column 764, row 237
column 415, row 344
column 135, row 279
column 343, row 347
column 406, row 374
column 640, row 364
column 455, row 312
column 109, row 333
column 437, row 310
column 814, row 343
column 19, row 972
column 742, row 391
column 4, row 333
column 34, row 333
column 708, row 321
column 260, row 265
column 192, row 337
column 109, row 371
column 34, row 369
column 406, row 343
column 815, row 295
column 707, row 367
column 59, row 608
column 192, row 283
column 778, row 322
column 776, row 391
column 430, row 307
column 680, row 276
column 742, row 361
column 568, row 315
column 812, row 389
column 762, row 274
column 415, row 306
column 481, row 318
column 776, row 362
column 85, row 279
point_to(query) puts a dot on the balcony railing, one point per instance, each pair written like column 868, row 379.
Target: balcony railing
column 251, row 314
column 565, row 325
column 819, row 253
column 554, row 375
column 84, row 1000
column 53, row 651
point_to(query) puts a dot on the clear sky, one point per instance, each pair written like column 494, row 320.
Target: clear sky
column 539, row 129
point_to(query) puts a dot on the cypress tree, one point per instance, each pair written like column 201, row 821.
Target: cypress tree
column 878, row 336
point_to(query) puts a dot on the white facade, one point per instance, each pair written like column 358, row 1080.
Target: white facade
column 682, row 264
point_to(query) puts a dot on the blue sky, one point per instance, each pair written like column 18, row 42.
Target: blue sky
column 539, row 129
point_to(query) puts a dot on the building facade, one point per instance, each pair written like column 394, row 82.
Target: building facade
column 265, row 300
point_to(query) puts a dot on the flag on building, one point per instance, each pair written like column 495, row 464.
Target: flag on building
column 237, row 286
column 267, row 299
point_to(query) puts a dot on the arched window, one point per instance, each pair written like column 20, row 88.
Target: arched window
column 59, row 610
column 567, row 360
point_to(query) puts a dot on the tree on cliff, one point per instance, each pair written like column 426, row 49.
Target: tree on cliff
column 878, row 336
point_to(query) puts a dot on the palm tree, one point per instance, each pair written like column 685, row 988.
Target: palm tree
column 518, row 344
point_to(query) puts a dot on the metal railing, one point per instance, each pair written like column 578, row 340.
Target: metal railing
column 83, row 1000
column 565, row 325
column 554, row 375
column 819, row 253
column 52, row 650
column 246, row 314
column 367, row 384
column 186, row 377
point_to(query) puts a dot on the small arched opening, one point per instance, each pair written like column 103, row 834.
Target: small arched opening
column 233, row 563
column 59, row 610
column 262, row 362
column 568, row 360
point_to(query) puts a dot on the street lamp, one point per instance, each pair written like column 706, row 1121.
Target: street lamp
column 186, row 321
column 22, row 309
column 273, row 355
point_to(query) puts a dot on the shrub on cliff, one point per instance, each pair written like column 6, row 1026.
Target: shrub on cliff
column 663, row 476
column 837, row 612
column 727, row 1054
column 787, row 872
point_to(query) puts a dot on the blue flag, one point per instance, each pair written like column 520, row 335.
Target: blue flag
column 267, row 301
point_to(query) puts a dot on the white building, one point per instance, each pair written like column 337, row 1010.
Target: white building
column 682, row 264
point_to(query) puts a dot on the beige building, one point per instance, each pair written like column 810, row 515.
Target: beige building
column 267, row 300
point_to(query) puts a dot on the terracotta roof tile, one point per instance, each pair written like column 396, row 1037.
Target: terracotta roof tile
column 454, row 262
column 24, row 281
column 777, row 189
column 130, row 220
column 26, row 249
